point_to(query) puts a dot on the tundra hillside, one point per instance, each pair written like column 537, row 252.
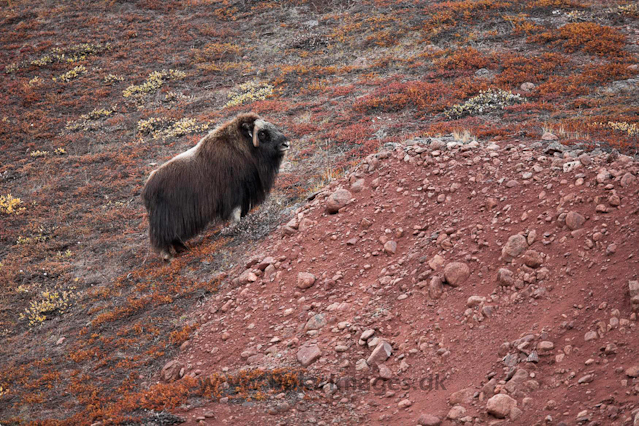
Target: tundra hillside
column 95, row 95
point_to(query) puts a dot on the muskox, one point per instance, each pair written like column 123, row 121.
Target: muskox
column 224, row 176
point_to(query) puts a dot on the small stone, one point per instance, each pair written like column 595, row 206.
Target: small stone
column 627, row 180
column 603, row 176
column 586, row 379
column 358, row 185
column 456, row 273
column 390, row 247
column 515, row 246
column 171, row 371
column 545, row 346
column 505, row 277
column 435, row 287
column 316, row 322
column 380, row 354
column 367, row 334
column 547, row 136
column 385, row 372
column 632, row 371
column 337, row 200
column 308, row 355
column 527, row 86
column 475, row 301
column 361, row 365
column 429, row 420
column 500, row 405
column 456, row 413
column 436, row 263
column 574, row 220
column 404, row 403
column 591, row 335
column 585, row 159
column 305, row 280
column 532, row 259
column 464, row 396
column 583, row 416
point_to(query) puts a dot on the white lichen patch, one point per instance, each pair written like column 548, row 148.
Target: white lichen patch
column 488, row 101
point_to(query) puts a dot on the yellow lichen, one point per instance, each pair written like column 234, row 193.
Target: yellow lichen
column 10, row 204
column 249, row 92
column 153, row 82
column 50, row 302
column 39, row 153
column 71, row 75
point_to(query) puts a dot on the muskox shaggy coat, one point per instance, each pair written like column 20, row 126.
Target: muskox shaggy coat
column 227, row 173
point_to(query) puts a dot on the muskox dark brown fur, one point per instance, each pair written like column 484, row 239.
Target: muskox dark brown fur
column 230, row 171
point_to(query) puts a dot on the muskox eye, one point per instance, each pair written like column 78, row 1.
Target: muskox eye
column 262, row 135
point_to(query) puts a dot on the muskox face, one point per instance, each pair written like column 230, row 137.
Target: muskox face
column 266, row 137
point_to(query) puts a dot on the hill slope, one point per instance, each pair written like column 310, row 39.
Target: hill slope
column 96, row 94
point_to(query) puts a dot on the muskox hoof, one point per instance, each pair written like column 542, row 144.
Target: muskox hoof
column 166, row 256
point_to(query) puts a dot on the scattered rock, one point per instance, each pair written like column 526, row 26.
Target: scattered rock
column 464, row 396
column 307, row 355
column 171, row 371
column 505, row 277
column 515, row 246
column 456, row 273
column 305, row 280
column 456, row 413
column 632, row 371
column 390, row 247
column 532, row 259
column 337, row 200
column 429, row 420
column 500, row 405
column 435, row 287
column 380, row 354
column 316, row 322
column 574, row 220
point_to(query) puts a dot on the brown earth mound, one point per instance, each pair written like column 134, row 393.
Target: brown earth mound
column 456, row 283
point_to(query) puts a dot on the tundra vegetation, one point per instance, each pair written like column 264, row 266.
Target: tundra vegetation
column 92, row 91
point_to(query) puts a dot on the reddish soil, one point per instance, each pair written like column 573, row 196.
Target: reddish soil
column 458, row 204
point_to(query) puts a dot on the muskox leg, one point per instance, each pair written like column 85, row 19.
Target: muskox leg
column 236, row 215
column 178, row 246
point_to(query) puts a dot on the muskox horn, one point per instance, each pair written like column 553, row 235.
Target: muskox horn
column 256, row 129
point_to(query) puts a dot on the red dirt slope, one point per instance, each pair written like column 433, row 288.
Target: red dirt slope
column 484, row 270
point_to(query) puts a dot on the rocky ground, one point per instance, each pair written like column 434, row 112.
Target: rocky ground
column 441, row 282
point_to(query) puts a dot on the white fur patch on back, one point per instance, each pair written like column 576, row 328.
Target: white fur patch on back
column 187, row 155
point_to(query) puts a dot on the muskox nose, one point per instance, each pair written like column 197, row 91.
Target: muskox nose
column 284, row 146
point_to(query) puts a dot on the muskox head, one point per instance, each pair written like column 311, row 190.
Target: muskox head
column 265, row 136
